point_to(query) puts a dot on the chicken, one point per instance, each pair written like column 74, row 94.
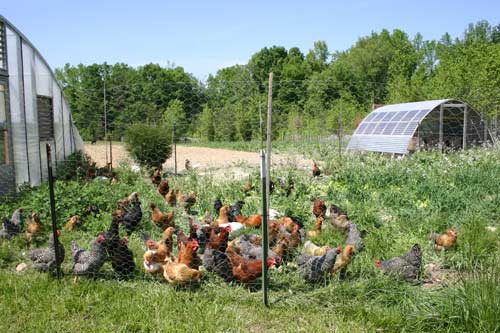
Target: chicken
column 91, row 209
column 164, row 187
column 343, row 259
column 73, row 222
column 354, row 237
column 160, row 219
column 132, row 214
column 287, row 186
column 88, row 262
column 338, row 218
column 90, row 173
column 247, row 270
column 317, row 228
column 187, row 165
column 445, row 241
column 218, row 239
column 34, row 228
column 315, row 269
column 186, row 201
column 180, row 274
column 13, row 226
column 315, row 250
column 250, row 221
column 250, row 247
column 158, row 252
column 247, row 188
column 223, row 216
column 156, row 177
column 218, row 205
column 171, row 198
column 47, row 259
column 406, row 266
column 316, row 172
column 319, row 208
column 218, row 262
column 188, row 254
column 122, row 258
column 235, row 210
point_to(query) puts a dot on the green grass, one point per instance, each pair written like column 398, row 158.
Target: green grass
column 396, row 202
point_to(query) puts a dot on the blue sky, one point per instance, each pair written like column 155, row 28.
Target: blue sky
column 203, row 36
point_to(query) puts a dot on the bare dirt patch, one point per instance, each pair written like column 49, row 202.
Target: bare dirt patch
column 201, row 158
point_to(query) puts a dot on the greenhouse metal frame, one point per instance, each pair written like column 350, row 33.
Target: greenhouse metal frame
column 446, row 124
column 33, row 112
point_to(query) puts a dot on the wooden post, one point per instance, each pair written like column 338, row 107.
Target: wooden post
column 339, row 134
column 464, row 136
column 485, row 123
column 441, row 114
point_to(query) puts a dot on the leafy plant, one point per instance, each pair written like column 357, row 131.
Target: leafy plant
column 149, row 145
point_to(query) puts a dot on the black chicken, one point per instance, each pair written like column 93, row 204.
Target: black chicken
column 89, row 262
column 122, row 258
column 316, row 268
column 46, row 259
column 132, row 214
column 217, row 206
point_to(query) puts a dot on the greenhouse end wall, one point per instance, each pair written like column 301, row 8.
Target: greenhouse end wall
column 29, row 79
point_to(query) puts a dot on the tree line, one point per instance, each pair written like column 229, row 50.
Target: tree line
column 313, row 93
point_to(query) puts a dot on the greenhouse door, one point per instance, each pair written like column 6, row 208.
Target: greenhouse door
column 7, row 180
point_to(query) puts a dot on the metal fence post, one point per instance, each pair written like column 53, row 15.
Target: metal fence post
column 53, row 210
column 110, row 154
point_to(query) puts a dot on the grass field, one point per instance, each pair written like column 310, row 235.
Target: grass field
column 396, row 202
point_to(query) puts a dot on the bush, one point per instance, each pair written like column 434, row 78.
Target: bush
column 74, row 166
column 148, row 145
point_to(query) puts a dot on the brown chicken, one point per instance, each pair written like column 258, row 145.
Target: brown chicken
column 248, row 188
column 445, row 241
column 34, row 227
column 162, row 248
column 247, row 270
column 186, row 201
column 343, row 259
column 219, row 240
column 73, row 222
column 223, row 216
column 315, row 170
column 188, row 254
column 287, row 222
column 187, row 165
column 90, row 173
column 164, row 187
column 160, row 219
column 317, row 228
column 156, row 177
column 319, row 208
column 250, row 221
column 180, row 274
column 171, row 198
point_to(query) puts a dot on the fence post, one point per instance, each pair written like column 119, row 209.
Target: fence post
column 266, row 175
column 175, row 148
column 53, row 209
column 110, row 154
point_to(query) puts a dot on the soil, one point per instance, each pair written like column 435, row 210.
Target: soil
column 201, row 158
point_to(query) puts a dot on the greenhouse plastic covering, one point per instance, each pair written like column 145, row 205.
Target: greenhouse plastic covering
column 30, row 76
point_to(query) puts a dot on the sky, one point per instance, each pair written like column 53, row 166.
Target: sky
column 204, row 36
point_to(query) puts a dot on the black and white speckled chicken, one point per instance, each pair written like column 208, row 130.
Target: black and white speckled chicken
column 354, row 237
column 13, row 226
column 88, row 262
column 45, row 259
column 315, row 269
column 406, row 266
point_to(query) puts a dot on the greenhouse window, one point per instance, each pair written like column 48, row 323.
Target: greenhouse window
column 45, row 118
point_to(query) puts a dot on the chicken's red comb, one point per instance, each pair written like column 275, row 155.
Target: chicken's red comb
column 228, row 229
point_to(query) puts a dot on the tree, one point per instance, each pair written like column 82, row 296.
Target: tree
column 174, row 119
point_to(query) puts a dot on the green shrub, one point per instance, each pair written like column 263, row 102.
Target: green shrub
column 149, row 145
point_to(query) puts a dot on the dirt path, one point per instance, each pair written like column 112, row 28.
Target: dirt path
column 201, row 158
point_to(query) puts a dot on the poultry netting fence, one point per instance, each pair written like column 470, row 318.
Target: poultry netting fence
column 187, row 221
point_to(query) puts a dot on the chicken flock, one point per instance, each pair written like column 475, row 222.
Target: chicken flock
column 214, row 243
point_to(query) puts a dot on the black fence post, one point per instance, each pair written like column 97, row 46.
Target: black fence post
column 53, row 209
